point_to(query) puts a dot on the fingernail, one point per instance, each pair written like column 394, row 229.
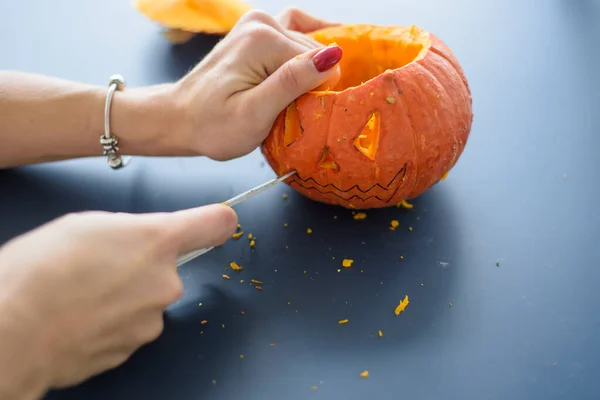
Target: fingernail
column 327, row 58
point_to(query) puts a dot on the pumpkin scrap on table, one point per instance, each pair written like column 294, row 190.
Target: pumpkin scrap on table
column 183, row 19
column 393, row 126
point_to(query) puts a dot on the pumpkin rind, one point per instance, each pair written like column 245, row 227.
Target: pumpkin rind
column 421, row 116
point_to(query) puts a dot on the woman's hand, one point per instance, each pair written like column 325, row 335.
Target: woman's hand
column 227, row 104
column 224, row 108
column 80, row 294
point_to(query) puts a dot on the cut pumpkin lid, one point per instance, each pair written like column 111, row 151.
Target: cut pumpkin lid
column 199, row 16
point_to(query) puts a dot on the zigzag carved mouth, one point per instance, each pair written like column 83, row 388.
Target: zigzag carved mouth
column 298, row 180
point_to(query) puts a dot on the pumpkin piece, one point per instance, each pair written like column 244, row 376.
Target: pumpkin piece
column 234, row 266
column 393, row 126
column 402, row 306
column 185, row 18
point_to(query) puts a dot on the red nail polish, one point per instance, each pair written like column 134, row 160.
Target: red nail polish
column 327, row 58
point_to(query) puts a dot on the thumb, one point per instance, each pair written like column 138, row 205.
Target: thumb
column 299, row 75
column 202, row 227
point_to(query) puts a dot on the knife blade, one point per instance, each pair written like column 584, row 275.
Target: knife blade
column 185, row 258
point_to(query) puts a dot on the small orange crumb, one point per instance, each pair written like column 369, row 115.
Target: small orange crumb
column 342, row 321
column 250, row 236
column 241, row 281
column 204, row 322
column 318, row 116
column 284, row 196
column 239, row 226
column 402, row 257
column 444, row 176
column 234, row 266
column 241, row 312
column 309, row 231
column 394, row 224
column 258, row 287
column 272, row 344
column 347, row 263
column 285, row 224
column 255, row 282
column 379, row 333
column 314, row 388
column 252, row 243
column 364, row 374
column 360, row 215
column 226, row 277
column 410, row 228
column 237, row 235
column 404, row 204
column 242, row 356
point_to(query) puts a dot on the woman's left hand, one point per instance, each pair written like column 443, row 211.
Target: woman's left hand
column 225, row 107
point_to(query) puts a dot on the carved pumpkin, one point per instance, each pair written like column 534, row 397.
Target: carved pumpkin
column 185, row 18
column 394, row 125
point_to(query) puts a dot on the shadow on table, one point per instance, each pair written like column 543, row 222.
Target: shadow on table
column 181, row 363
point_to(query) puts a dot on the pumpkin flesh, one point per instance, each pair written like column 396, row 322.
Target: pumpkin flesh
column 394, row 124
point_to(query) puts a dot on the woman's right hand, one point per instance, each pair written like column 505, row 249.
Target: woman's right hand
column 80, row 294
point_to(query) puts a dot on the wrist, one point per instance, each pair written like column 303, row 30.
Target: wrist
column 145, row 120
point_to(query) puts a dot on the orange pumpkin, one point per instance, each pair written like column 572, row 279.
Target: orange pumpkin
column 394, row 125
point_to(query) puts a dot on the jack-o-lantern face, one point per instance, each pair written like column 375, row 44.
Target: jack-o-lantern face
column 394, row 125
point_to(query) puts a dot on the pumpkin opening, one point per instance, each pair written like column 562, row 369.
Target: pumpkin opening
column 371, row 50
column 368, row 140
column 326, row 160
column 293, row 127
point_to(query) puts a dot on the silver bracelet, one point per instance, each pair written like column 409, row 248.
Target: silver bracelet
column 109, row 142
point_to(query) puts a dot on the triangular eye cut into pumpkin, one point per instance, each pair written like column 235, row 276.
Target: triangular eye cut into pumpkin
column 326, row 160
column 293, row 127
column 368, row 140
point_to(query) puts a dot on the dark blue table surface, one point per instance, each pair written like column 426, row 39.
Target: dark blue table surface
column 501, row 268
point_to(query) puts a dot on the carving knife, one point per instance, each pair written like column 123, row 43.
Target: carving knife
column 232, row 202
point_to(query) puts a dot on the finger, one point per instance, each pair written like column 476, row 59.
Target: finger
column 281, row 51
column 202, row 227
column 298, row 20
column 295, row 77
column 305, row 40
column 298, row 37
